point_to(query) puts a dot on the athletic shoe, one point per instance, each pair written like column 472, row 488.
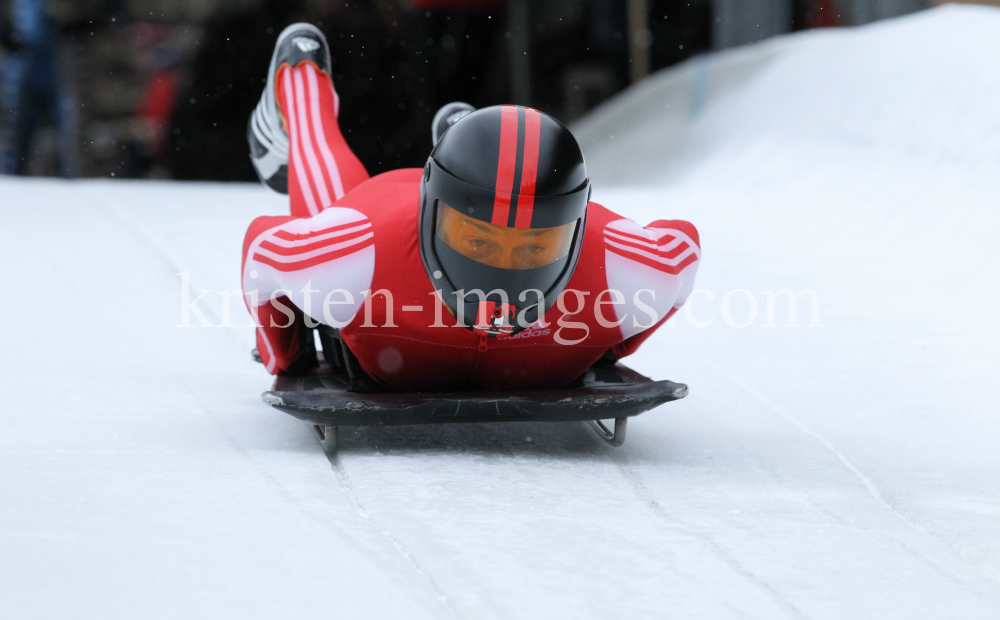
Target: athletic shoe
column 448, row 115
column 265, row 130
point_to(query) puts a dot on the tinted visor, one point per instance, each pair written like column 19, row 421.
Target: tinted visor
column 500, row 246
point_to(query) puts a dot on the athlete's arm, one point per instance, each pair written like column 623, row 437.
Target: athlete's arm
column 651, row 271
column 317, row 266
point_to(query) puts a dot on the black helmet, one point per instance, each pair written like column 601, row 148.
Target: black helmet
column 503, row 209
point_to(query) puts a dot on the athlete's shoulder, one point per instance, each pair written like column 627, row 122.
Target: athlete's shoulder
column 600, row 214
column 681, row 226
column 299, row 243
column 667, row 246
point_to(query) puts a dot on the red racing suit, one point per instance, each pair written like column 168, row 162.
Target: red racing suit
column 348, row 257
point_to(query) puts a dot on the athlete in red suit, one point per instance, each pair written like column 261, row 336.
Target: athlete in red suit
column 350, row 254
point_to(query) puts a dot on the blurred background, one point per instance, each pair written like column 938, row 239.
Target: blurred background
column 163, row 88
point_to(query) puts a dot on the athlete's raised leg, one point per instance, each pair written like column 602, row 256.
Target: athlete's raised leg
column 295, row 140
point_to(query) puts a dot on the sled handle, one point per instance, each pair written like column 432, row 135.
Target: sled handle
column 615, row 438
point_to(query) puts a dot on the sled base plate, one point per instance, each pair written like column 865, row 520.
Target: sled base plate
column 615, row 392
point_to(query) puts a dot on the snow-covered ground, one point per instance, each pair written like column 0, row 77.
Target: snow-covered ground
column 850, row 470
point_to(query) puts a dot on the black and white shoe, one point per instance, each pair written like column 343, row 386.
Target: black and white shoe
column 448, row 115
column 265, row 131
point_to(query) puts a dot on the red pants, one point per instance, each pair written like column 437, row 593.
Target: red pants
column 321, row 166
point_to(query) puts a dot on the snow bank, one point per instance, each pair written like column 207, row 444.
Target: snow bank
column 919, row 87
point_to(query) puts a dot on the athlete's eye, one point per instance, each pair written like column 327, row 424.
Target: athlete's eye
column 534, row 249
column 478, row 243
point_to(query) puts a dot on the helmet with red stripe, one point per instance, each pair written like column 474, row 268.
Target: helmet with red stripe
column 503, row 209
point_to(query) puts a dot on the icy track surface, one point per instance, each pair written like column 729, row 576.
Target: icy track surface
column 850, row 470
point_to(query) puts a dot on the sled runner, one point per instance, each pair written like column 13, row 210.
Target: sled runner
column 338, row 393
